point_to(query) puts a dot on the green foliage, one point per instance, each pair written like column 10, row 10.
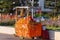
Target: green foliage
column 5, row 5
column 8, row 23
column 53, row 28
column 36, row 15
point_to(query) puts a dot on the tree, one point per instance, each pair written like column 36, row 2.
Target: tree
column 5, row 5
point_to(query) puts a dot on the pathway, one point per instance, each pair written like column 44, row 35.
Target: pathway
column 6, row 33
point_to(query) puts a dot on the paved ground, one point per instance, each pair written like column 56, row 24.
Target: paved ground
column 7, row 30
column 7, row 37
column 6, row 33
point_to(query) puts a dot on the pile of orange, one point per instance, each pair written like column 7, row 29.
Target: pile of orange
column 25, row 28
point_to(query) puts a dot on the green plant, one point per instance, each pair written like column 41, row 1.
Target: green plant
column 53, row 28
column 37, row 15
column 9, row 23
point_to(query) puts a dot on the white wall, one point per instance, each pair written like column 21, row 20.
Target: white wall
column 41, row 4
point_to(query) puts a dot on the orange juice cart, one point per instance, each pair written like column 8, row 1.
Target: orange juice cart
column 25, row 26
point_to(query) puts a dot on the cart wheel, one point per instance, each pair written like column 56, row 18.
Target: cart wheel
column 39, row 38
column 21, row 38
column 15, row 35
column 34, row 38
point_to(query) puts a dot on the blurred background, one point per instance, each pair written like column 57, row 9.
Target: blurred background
column 50, row 11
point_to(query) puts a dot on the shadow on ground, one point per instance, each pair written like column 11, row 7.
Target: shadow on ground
column 8, row 37
column 11, row 37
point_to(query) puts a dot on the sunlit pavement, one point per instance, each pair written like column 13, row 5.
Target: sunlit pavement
column 7, row 30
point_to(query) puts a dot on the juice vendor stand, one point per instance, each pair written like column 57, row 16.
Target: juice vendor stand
column 25, row 26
